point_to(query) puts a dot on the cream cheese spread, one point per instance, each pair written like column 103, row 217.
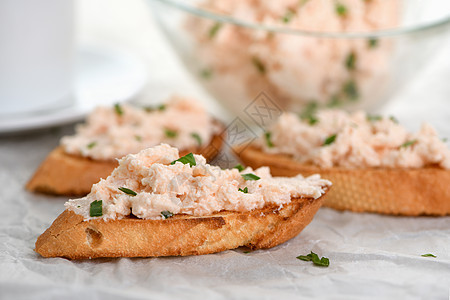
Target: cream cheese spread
column 112, row 132
column 152, row 185
column 354, row 140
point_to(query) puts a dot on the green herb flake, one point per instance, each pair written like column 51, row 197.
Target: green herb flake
column 187, row 159
column 429, row 255
column 259, row 65
column 245, row 190
column 445, row 140
column 250, row 176
column 350, row 61
column 118, row 109
column 239, row 167
column 247, row 252
column 350, row 89
column 309, row 111
column 214, row 30
column 161, row 107
column 128, row 191
column 372, row 43
column 206, row 73
column 341, row 10
column 322, row 262
column 96, row 208
column 197, row 137
column 408, row 144
column 329, row 140
column 91, row 145
column 170, row 133
column 268, row 138
column 288, row 16
column 334, row 101
column 393, row 119
column 374, row 118
column 312, row 120
column 166, row 214
column 138, row 138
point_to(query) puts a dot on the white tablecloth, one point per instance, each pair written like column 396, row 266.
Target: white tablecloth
column 371, row 256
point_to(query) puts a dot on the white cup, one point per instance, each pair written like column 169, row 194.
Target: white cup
column 36, row 55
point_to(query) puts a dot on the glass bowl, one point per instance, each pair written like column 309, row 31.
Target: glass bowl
column 352, row 54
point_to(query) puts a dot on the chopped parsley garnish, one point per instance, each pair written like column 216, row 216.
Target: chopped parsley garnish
column 118, row 109
column 250, row 176
column 341, row 10
column 329, row 140
column 351, row 90
column 214, row 29
column 239, row 167
column 323, row 262
column 372, row 43
column 445, row 140
column 429, row 255
column 128, row 191
column 160, row 107
column 187, row 159
column 206, row 73
column 170, row 133
column 408, row 144
column 268, row 136
column 309, row 110
column 334, row 101
column 374, row 118
column 259, row 65
column 91, row 145
column 288, row 16
column 138, row 138
column 197, row 137
column 96, row 208
column 393, row 119
column 166, row 214
column 245, row 190
column 350, row 61
column 312, row 120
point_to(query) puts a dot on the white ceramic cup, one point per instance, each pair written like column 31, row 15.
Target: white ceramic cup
column 36, row 55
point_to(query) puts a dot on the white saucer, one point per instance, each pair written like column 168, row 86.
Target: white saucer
column 104, row 77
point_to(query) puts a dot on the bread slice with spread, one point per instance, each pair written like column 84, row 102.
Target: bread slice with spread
column 156, row 203
column 375, row 164
column 112, row 132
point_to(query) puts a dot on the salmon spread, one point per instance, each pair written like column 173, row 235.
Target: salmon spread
column 112, row 132
column 335, row 138
column 156, row 184
column 238, row 62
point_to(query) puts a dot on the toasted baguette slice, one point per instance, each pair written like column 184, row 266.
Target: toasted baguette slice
column 71, row 237
column 409, row 192
column 71, row 175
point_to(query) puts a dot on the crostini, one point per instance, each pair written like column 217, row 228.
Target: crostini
column 375, row 164
column 156, row 203
column 112, row 132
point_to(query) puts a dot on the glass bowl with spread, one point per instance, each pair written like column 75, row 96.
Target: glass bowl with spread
column 304, row 54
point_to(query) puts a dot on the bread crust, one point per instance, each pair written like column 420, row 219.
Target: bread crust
column 71, row 237
column 73, row 175
column 408, row 192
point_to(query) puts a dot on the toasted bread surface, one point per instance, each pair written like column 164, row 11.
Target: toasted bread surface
column 71, row 237
column 409, row 192
column 72, row 175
